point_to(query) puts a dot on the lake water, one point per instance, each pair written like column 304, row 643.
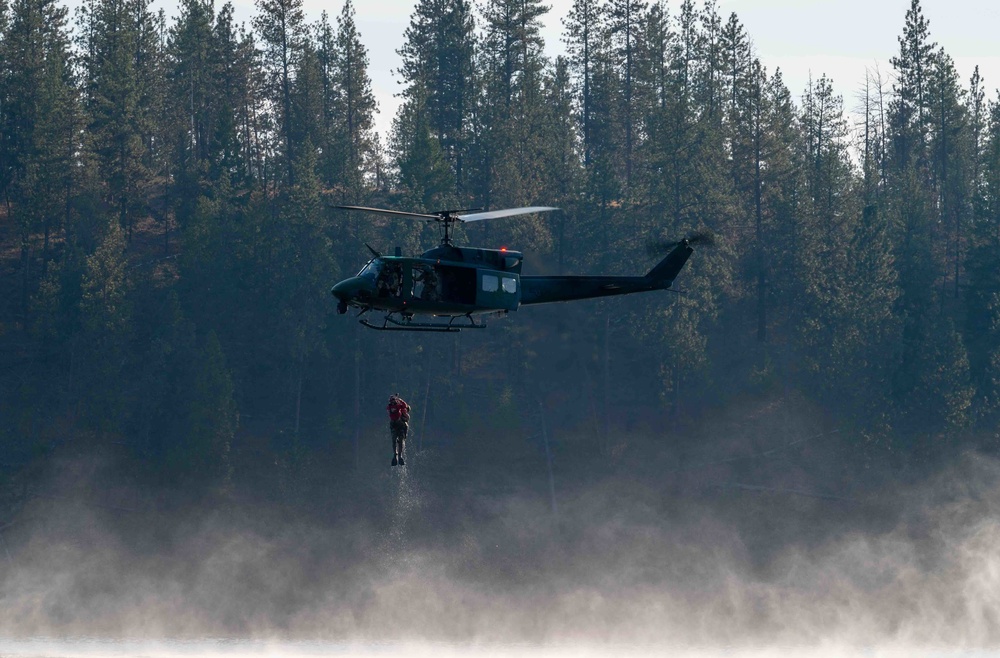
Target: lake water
column 220, row 648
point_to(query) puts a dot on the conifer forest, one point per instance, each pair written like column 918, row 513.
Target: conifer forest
column 169, row 239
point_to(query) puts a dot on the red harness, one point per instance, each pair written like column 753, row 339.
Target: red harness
column 397, row 409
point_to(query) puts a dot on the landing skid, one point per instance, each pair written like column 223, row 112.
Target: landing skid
column 390, row 323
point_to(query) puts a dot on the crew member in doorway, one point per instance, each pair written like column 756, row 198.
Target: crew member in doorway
column 390, row 281
column 399, row 424
column 430, row 292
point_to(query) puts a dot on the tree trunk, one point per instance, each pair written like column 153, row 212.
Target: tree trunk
column 758, row 215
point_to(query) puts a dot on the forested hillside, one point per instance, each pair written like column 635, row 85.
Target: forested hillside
column 168, row 242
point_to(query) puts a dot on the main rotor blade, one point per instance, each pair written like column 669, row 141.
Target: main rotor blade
column 383, row 211
column 509, row 212
column 442, row 213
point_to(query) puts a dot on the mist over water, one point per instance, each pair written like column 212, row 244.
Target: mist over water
column 633, row 563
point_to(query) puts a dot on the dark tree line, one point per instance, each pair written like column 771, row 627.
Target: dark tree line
column 168, row 241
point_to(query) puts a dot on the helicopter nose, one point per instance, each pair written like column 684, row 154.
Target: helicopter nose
column 350, row 289
column 342, row 290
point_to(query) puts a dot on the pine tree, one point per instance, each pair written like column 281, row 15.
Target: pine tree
column 736, row 60
column 625, row 27
column 756, row 112
column 828, row 173
column 193, row 103
column 303, row 266
column 654, row 64
column 511, row 54
column 282, row 30
column 602, row 178
column 438, row 64
column 692, row 157
column 584, row 42
column 874, row 153
column 978, row 120
column 509, row 112
column 213, row 417
column 652, row 82
column 308, row 112
column 103, row 346
column 927, row 200
column 908, row 111
column 780, row 188
column 713, row 68
column 355, row 106
column 240, row 104
column 424, row 175
column 982, row 303
column 948, row 141
column 39, row 118
column 194, row 80
column 560, row 161
column 120, row 45
column 864, row 355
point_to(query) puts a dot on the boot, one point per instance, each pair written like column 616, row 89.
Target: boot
column 395, row 460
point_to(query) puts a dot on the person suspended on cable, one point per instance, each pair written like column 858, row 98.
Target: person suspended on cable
column 399, row 424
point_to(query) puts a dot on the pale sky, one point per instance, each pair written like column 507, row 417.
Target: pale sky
column 840, row 38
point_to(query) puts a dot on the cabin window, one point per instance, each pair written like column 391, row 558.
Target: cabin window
column 509, row 284
column 490, row 283
column 390, row 281
column 458, row 284
column 430, row 283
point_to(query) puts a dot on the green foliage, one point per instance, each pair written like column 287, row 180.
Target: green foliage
column 982, row 326
column 212, row 418
column 39, row 119
column 106, row 319
column 167, row 203
column 424, row 176
column 353, row 107
column 439, row 73
column 282, row 29
column 122, row 84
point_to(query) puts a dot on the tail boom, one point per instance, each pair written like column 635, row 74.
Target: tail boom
column 546, row 289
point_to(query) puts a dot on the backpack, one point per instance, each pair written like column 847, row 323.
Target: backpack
column 398, row 411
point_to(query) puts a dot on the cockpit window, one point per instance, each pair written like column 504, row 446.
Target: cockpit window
column 372, row 269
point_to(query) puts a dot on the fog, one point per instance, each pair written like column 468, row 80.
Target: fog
column 651, row 554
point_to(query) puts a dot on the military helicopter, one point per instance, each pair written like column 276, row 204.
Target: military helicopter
column 456, row 284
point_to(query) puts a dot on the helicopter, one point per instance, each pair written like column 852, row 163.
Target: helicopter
column 458, row 284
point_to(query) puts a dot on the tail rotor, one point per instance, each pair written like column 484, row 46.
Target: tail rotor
column 656, row 248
